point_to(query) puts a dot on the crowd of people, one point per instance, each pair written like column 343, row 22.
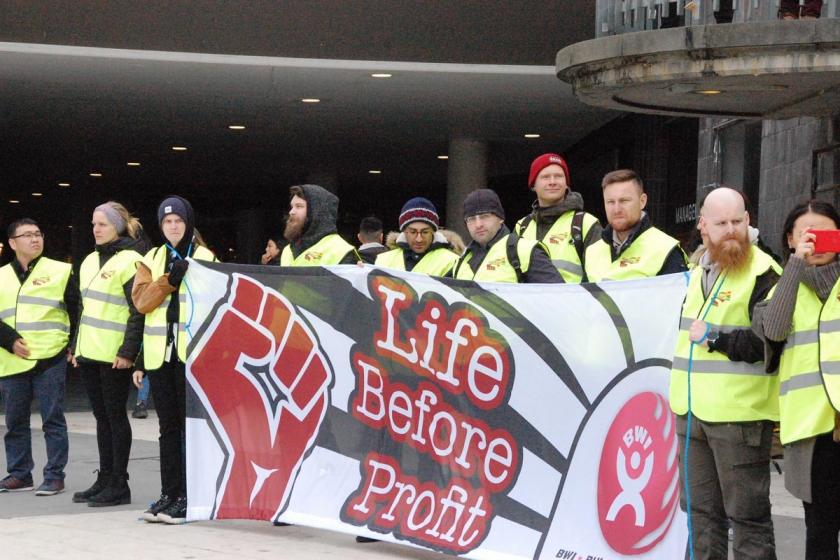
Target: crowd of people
column 755, row 341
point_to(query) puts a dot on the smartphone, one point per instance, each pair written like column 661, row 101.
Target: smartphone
column 826, row 240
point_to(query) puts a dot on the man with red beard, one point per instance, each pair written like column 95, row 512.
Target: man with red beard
column 719, row 390
column 311, row 230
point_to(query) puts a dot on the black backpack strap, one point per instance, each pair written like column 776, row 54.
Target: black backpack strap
column 523, row 224
column 513, row 255
column 577, row 239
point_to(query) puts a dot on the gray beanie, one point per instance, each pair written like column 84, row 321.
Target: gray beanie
column 483, row 201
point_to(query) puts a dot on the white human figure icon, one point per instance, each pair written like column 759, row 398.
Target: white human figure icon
column 631, row 488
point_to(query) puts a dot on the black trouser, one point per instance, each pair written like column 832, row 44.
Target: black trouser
column 107, row 389
column 168, row 392
column 822, row 516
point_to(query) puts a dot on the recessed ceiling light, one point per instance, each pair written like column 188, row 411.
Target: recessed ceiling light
column 375, row 172
column 310, row 100
column 179, row 148
column 96, row 174
column 709, row 91
column 14, row 202
column 381, row 75
column 532, row 135
column 37, row 194
column 133, row 164
column 236, row 126
column 443, row 157
column 64, row 184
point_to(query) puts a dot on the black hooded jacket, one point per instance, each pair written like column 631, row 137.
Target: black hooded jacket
column 321, row 219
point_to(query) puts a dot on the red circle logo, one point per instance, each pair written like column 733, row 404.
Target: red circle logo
column 638, row 479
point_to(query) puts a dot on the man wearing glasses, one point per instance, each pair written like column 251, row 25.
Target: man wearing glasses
column 420, row 246
column 38, row 296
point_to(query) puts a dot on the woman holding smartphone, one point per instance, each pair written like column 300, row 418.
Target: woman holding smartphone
column 794, row 324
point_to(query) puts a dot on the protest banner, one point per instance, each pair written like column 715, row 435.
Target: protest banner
column 481, row 420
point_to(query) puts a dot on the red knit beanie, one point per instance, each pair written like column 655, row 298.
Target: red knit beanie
column 544, row 161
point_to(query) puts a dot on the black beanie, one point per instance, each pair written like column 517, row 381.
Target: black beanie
column 483, row 201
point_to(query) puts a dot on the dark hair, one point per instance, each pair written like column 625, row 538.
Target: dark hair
column 12, row 229
column 370, row 225
column 812, row 206
column 296, row 191
column 620, row 176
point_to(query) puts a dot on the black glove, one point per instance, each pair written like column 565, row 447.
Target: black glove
column 176, row 272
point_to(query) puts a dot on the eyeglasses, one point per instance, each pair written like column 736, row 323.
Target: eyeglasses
column 30, row 235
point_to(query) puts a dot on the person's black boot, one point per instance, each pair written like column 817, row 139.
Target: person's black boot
column 97, row 487
column 116, row 493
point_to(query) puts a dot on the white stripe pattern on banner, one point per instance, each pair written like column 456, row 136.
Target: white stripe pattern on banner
column 103, row 324
column 803, row 381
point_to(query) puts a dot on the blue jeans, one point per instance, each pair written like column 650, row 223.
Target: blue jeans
column 143, row 391
column 18, row 393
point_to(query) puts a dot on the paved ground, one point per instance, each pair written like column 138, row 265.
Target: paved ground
column 36, row 528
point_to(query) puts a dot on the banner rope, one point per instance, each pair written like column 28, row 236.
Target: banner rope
column 688, row 422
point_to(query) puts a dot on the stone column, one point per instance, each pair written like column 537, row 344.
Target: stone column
column 467, row 171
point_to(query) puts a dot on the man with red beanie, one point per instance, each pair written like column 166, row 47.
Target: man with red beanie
column 558, row 219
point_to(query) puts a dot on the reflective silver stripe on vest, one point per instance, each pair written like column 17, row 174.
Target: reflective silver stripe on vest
column 685, row 324
column 568, row 266
column 103, row 324
column 6, row 313
column 803, row 337
column 830, row 368
column 42, row 326
column 154, row 331
column 33, row 300
column 719, row 366
column 105, row 297
column 182, row 298
column 803, row 381
column 830, row 326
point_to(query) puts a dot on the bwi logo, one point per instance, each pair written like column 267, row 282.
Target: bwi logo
column 557, row 239
column 313, row 256
column 638, row 479
column 493, row 265
column 722, row 297
column 40, row 281
column 627, row 261
column 107, row 274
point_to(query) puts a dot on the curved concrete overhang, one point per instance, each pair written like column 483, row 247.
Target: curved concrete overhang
column 770, row 69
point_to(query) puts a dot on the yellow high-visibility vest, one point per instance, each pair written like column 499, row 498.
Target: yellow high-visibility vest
column 437, row 262
column 830, row 345
column 105, row 310
column 723, row 390
column 154, row 329
column 804, row 409
column 496, row 266
column 36, row 310
column 642, row 259
column 559, row 243
column 330, row 249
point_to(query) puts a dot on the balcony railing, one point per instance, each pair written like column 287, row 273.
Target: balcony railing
column 625, row 16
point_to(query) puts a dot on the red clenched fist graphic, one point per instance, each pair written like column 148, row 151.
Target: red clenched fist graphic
column 272, row 401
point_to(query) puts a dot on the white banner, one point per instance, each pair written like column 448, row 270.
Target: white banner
column 482, row 420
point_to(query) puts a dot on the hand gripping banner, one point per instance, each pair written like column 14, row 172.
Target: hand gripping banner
column 480, row 420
